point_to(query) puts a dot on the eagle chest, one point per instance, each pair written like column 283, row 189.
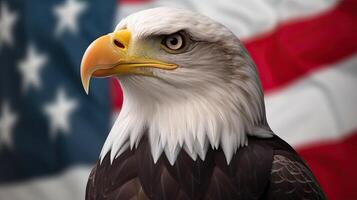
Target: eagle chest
column 134, row 175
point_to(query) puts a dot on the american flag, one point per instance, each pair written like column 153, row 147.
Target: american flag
column 51, row 133
column 46, row 120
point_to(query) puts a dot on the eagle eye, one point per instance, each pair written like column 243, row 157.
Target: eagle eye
column 174, row 43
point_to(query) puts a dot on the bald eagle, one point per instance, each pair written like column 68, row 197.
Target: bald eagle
column 192, row 124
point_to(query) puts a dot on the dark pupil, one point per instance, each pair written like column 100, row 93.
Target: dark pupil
column 173, row 41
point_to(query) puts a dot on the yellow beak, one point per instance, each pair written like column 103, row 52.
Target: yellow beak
column 108, row 55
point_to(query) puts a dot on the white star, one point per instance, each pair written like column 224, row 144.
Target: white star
column 30, row 68
column 7, row 122
column 67, row 16
column 59, row 112
column 7, row 22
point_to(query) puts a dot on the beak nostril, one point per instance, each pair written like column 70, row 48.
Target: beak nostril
column 119, row 44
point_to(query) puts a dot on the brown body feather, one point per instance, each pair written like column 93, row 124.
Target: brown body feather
column 265, row 169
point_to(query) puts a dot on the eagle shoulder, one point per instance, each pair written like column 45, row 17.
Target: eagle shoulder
column 292, row 179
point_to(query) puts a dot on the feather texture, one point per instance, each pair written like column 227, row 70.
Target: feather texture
column 266, row 169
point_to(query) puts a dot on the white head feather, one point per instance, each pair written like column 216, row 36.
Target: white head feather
column 213, row 99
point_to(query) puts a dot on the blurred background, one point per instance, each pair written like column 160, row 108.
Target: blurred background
column 51, row 133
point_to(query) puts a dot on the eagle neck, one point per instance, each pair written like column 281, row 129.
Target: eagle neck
column 192, row 122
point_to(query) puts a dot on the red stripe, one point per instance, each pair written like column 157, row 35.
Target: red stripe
column 335, row 166
column 297, row 48
column 116, row 95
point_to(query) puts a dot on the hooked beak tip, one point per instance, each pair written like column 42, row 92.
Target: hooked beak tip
column 85, row 83
column 86, row 89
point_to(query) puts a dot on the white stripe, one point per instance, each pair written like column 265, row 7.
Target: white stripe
column 127, row 9
column 319, row 107
column 69, row 185
column 246, row 18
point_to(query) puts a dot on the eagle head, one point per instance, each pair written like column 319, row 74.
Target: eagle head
column 188, row 83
